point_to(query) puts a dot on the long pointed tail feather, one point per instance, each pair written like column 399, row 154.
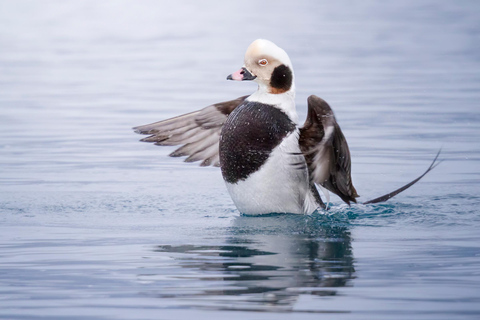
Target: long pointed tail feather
column 408, row 185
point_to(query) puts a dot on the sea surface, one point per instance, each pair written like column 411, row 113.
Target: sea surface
column 97, row 225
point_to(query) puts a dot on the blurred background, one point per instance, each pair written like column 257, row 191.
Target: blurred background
column 95, row 222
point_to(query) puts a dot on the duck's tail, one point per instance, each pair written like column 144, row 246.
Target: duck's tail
column 408, row 185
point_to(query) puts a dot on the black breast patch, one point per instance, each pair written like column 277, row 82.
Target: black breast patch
column 248, row 136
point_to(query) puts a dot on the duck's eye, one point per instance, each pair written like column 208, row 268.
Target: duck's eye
column 263, row 62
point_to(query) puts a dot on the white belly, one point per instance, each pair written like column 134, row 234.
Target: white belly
column 278, row 186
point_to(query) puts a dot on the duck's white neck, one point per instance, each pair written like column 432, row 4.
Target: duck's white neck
column 284, row 101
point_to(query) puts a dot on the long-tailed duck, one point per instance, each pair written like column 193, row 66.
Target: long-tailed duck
column 268, row 162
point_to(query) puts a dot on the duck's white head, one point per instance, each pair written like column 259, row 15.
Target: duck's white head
column 268, row 65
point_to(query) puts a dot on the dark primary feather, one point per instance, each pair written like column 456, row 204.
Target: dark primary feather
column 326, row 150
column 198, row 132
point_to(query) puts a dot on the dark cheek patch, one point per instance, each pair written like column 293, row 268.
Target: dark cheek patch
column 281, row 80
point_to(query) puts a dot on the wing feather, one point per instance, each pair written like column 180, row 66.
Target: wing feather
column 326, row 150
column 198, row 132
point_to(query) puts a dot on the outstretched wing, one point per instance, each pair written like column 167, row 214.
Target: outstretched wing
column 326, row 150
column 198, row 132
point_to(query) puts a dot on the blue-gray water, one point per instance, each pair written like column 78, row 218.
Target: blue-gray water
column 96, row 225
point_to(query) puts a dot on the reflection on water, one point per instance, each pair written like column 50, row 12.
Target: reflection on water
column 269, row 261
